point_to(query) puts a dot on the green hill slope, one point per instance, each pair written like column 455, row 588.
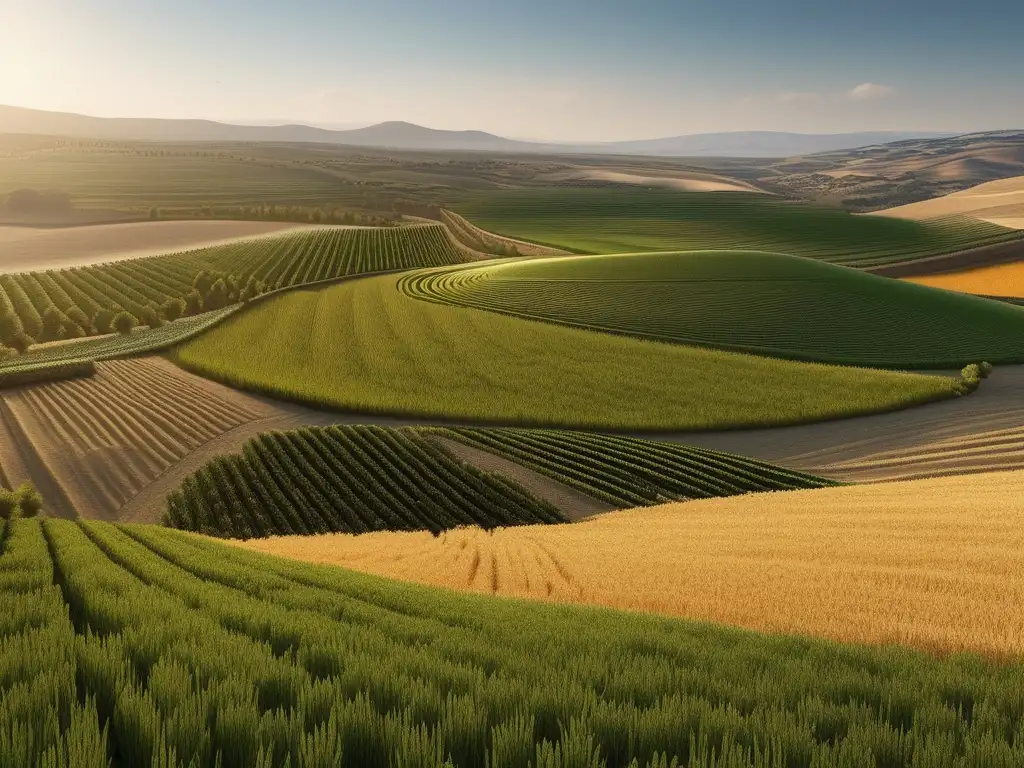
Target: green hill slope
column 749, row 301
column 138, row 646
column 628, row 220
column 364, row 346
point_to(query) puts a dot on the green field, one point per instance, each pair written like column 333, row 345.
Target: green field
column 630, row 472
column 127, row 177
column 350, row 480
column 137, row 646
column 748, row 301
column 634, row 219
column 277, row 261
column 366, row 347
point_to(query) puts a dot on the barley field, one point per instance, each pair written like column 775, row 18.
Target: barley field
column 936, row 565
column 1006, row 280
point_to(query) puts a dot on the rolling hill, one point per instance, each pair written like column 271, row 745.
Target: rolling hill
column 401, row 356
column 998, row 202
column 630, row 219
column 749, row 301
column 404, row 135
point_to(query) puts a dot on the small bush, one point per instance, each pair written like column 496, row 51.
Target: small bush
column 985, row 368
column 103, row 321
column 22, row 341
column 193, row 303
column 149, row 316
column 72, row 330
column 10, row 327
column 30, row 502
column 8, row 504
column 79, row 318
column 217, row 296
column 124, row 322
column 6, row 353
column 172, row 309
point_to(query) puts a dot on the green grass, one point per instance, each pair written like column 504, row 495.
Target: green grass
column 364, row 346
column 146, row 646
column 277, row 261
column 762, row 303
column 629, row 220
column 351, row 479
column 125, row 178
column 628, row 471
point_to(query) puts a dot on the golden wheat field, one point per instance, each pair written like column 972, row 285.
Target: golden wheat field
column 996, row 280
column 936, row 564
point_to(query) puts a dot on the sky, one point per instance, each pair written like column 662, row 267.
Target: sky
column 558, row 70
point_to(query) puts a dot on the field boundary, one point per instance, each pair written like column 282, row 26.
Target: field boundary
column 957, row 261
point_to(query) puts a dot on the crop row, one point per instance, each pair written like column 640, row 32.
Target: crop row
column 347, row 479
column 159, row 648
column 629, row 472
column 632, row 219
column 761, row 303
column 65, row 303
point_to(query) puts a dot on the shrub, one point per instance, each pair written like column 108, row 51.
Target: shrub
column 72, row 330
column 53, row 323
column 79, row 318
column 985, row 368
column 217, row 296
column 124, row 322
column 203, row 282
column 10, row 327
column 193, row 303
column 8, row 504
column 22, row 341
column 103, row 321
column 30, row 502
column 6, row 353
column 173, row 309
column 148, row 315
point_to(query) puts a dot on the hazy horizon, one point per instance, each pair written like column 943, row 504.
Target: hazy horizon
column 571, row 71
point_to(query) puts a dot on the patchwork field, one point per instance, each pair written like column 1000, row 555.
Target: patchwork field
column 997, row 202
column 932, row 564
column 997, row 280
column 157, row 635
column 761, row 303
column 629, row 220
column 25, row 249
column 74, row 297
column 361, row 478
column 364, row 346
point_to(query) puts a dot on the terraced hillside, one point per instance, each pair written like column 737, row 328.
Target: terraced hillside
column 409, row 357
column 619, row 220
column 749, row 301
column 162, row 648
column 77, row 295
column 630, row 472
column 349, row 479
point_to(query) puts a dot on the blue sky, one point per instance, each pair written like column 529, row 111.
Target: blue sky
column 586, row 70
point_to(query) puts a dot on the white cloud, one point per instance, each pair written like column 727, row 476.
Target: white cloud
column 867, row 91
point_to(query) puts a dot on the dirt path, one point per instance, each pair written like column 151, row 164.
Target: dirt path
column 981, row 432
column 574, row 504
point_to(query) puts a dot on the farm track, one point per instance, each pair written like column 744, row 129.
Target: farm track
column 574, row 504
column 979, row 433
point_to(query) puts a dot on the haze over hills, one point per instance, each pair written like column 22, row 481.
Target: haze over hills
column 403, row 135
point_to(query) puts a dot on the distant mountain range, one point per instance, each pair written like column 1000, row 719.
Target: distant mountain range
column 401, row 135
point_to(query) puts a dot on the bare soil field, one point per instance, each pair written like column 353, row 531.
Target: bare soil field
column 933, row 564
column 978, row 433
column 999, row 202
column 684, row 183
column 24, row 249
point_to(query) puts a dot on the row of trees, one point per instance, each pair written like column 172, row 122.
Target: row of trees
column 291, row 213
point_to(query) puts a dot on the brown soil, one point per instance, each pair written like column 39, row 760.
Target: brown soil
column 572, row 503
column 987, row 255
column 29, row 248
